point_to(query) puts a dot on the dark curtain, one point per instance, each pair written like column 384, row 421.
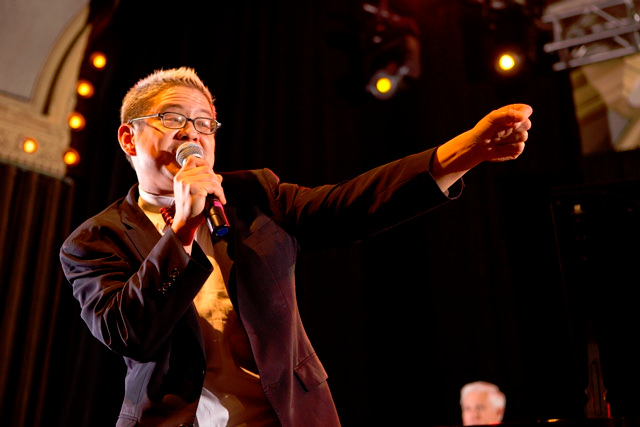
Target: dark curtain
column 35, row 213
column 474, row 290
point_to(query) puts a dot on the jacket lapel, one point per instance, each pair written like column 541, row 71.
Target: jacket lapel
column 138, row 227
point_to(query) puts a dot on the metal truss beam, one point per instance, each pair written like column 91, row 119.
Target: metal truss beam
column 585, row 32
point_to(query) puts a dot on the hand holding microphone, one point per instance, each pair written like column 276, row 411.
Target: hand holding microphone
column 213, row 211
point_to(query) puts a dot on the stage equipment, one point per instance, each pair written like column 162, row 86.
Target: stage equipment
column 588, row 31
column 392, row 51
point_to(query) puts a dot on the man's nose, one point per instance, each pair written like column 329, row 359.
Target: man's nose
column 188, row 132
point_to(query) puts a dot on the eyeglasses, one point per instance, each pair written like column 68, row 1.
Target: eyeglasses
column 171, row 120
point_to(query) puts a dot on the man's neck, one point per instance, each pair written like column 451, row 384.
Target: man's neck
column 163, row 201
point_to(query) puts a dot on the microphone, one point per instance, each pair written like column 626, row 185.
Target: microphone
column 213, row 210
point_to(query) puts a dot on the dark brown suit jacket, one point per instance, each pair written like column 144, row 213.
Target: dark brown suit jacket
column 136, row 287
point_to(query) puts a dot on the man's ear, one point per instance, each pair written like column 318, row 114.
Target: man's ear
column 126, row 137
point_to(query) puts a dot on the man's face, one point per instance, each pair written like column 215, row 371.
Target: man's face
column 152, row 146
column 478, row 410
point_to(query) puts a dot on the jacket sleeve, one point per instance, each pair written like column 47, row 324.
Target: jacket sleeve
column 131, row 303
column 361, row 207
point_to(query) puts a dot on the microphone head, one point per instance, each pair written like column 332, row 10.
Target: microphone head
column 188, row 149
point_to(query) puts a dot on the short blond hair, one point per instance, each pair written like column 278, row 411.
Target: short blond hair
column 139, row 99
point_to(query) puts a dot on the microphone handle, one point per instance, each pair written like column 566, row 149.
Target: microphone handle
column 216, row 219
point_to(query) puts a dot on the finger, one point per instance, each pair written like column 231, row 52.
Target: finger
column 519, row 110
column 203, row 182
column 515, row 130
column 514, row 115
column 219, row 191
column 505, row 152
column 514, row 138
column 193, row 162
column 502, row 122
column 526, row 125
column 203, row 172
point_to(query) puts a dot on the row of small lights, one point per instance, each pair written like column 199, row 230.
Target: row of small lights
column 76, row 121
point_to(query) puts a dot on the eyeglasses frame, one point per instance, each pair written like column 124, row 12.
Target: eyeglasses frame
column 188, row 119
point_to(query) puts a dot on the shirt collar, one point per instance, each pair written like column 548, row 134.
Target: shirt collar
column 154, row 200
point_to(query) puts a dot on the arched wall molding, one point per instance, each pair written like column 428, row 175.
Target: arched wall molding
column 44, row 116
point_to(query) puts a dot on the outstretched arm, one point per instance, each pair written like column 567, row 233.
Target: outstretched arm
column 499, row 136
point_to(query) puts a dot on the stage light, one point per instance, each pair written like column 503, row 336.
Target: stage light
column 387, row 80
column 385, row 83
column 29, row 145
column 392, row 51
column 500, row 47
column 76, row 121
column 85, row 89
column 506, row 62
column 98, row 60
column 71, row 157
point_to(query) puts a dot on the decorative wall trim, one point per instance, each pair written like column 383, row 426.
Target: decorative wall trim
column 44, row 116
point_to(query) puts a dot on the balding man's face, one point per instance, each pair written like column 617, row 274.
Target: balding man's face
column 478, row 410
